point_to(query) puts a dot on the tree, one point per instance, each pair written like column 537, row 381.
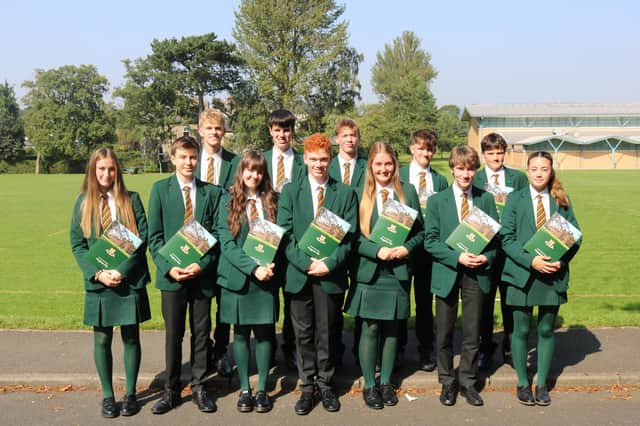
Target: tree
column 401, row 77
column 11, row 127
column 65, row 117
column 297, row 54
column 452, row 130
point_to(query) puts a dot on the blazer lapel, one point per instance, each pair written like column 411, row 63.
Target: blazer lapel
column 330, row 195
column 175, row 196
column 306, row 201
column 201, row 198
column 358, row 172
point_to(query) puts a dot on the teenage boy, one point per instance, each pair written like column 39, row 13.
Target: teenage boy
column 217, row 166
column 285, row 165
column 426, row 180
column 316, row 286
column 455, row 275
column 349, row 168
column 173, row 202
column 494, row 148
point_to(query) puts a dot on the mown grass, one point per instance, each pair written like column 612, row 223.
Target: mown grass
column 42, row 288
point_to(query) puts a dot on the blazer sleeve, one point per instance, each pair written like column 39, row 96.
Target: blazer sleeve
column 340, row 255
column 509, row 233
column 214, row 194
column 139, row 256
column 80, row 247
column 294, row 255
column 570, row 216
column 156, row 230
column 228, row 245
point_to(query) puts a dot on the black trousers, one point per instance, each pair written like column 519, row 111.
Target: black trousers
column 486, row 327
column 424, row 304
column 175, row 305
column 467, row 289
column 221, row 332
column 314, row 316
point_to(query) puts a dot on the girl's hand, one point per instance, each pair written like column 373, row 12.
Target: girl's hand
column 542, row 265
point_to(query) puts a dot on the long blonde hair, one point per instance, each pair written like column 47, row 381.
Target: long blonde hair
column 90, row 216
column 369, row 190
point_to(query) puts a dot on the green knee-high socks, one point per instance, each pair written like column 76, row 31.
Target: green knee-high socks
column 132, row 355
column 241, row 353
column 546, row 341
column 368, row 350
column 103, row 359
column 389, row 350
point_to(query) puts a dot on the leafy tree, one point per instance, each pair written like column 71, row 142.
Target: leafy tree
column 65, row 117
column 11, row 127
column 452, row 130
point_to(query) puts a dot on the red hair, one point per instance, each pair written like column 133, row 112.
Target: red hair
column 317, row 142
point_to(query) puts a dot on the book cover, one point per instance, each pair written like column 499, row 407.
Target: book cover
column 324, row 234
column 394, row 224
column 262, row 241
column 474, row 233
column 499, row 195
column 188, row 245
column 423, row 196
column 554, row 238
column 113, row 247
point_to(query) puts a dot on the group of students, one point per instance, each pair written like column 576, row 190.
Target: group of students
column 225, row 193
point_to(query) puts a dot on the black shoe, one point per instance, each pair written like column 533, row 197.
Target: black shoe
column 109, row 408
column 472, row 396
column 542, row 395
column 263, row 403
column 224, row 365
column 330, row 401
column 169, row 400
column 203, row 401
column 245, row 402
column 525, row 395
column 304, row 404
column 427, row 361
column 449, row 394
column 372, row 398
column 484, row 361
column 290, row 360
column 129, row 405
column 389, row 396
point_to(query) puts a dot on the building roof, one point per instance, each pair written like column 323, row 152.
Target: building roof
column 522, row 138
column 550, row 110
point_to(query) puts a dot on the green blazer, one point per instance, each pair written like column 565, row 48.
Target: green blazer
column 368, row 250
column 227, row 168
column 166, row 216
column 134, row 269
column 518, row 226
column 439, row 182
column 513, row 178
column 299, row 168
column 357, row 179
column 295, row 213
column 442, row 219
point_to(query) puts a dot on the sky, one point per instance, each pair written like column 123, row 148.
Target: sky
column 485, row 51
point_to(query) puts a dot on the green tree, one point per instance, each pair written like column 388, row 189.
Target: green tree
column 65, row 117
column 452, row 130
column 11, row 127
column 401, row 77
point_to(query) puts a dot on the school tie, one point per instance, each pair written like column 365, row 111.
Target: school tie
column 346, row 176
column 210, row 171
column 541, row 216
column 105, row 212
column 320, row 199
column 496, row 179
column 188, row 207
column 280, row 171
column 253, row 210
column 422, row 183
column 464, row 207
column 384, row 195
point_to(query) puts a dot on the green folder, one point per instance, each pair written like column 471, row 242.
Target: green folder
column 113, row 247
column 474, row 233
column 393, row 224
column 262, row 241
column 188, row 245
column 324, row 234
column 554, row 238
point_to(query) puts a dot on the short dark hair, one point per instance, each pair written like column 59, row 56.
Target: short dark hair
column 429, row 137
column 493, row 141
column 184, row 142
column 282, row 118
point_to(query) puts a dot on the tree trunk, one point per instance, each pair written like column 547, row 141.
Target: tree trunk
column 37, row 162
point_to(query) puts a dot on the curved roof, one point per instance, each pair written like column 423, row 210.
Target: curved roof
column 550, row 110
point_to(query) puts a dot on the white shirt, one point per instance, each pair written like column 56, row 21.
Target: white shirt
column 192, row 194
column 545, row 202
column 379, row 189
column 314, row 193
column 204, row 166
column 288, row 164
column 457, row 193
column 258, row 206
column 501, row 177
column 414, row 176
column 352, row 166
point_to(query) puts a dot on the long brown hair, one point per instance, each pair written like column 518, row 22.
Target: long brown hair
column 90, row 216
column 251, row 160
column 555, row 186
column 369, row 190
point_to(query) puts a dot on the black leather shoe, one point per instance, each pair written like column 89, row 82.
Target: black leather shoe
column 389, row 396
column 263, row 403
column 525, row 395
column 449, row 394
column 109, row 408
column 484, row 361
column 372, row 398
column 290, row 360
column 427, row 361
column 542, row 395
column 245, row 402
column 472, row 396
column 224, row 366
column 168, row 401
column 330, row 401
column 129, row 405
column 203, row 401
column 304, row 404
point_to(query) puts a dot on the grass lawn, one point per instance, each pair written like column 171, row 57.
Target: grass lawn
column 42, row 288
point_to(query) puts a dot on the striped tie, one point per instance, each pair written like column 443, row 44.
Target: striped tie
column 210, row 171
column 422, row 182
column 320, row 198
column 464, row 207
column 105, row 212
column 541, row 216
column 496, row 179
column 188, row 207
column 280, row 172
column 346, row 176
column 253, row 210
column 384, row 194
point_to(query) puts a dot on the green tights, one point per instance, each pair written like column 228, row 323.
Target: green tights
column 242, row 351
column 546, row 341
column 102, row 337
column 387, row 331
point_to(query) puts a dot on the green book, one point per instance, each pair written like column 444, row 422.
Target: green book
column 262, row 241
column 499, row 195
column 423, row 196
column 113, row 247
column 474, row 233
column 393, row 224
column 554, row 238
column 324, row 234
column 188, row 245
